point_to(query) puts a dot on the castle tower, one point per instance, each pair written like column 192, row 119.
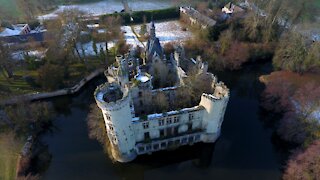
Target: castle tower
column 215, row 106
column 114, row 103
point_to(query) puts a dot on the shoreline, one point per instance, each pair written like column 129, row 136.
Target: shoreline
column 61, row 92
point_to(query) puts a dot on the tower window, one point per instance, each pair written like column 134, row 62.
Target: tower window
column 176, row 119
column 146, row 136
column 169, row 121
column 161, row 122
column 162, row 133
column 191, row 116
column 146, row 125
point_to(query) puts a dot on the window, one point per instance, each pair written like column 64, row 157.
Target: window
column 184, row 140
column 163, row 144
column 161, row 132
column 146, row 125
column 146, row 136
column 141, row 103
column 176, row 119
column 156, row 146
column 169, row 121
column 148, row 147
column 140, row 94
column 177, row 142
column 111, row 127
column 191, row 116
column 189, row 127
column 197, row 138
column 141, row 148
column 108, row 117
column 161, row 122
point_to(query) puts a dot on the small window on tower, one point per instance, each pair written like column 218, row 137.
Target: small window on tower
column 191, row 116
column 146, row 125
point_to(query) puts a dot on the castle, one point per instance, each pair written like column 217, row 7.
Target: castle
column 160, row 103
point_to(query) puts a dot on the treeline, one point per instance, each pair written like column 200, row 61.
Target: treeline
column 142, row 16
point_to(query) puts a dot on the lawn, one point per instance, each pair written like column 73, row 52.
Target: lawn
column 18, row 84
column 9, row 153
column 10, row 7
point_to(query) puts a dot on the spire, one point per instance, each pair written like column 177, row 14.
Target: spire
column 152, row 30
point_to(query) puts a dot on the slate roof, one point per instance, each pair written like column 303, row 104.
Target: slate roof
column 200, row 18
column 38, row 37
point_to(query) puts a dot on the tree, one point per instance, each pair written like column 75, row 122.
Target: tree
column 312, row 61
column 252, row 26
column 237, row 54
column 168, row 48
column 161, row 102
column 226, row 39
column 112, row 26
column 94, row 47
column 96, row 125
column 6, row 64
column 304, row 164
column 29, row 117
column 291, row 53
column 50, row 76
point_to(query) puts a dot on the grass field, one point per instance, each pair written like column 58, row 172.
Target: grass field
column 18, row 84
column 10, row 7
column 9, row 154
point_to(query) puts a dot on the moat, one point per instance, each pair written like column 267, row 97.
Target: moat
column 245, row 149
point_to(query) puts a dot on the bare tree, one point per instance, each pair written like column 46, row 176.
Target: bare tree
column 6, row 63
column 112, row 31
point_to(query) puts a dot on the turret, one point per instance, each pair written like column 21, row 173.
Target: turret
column 215, row 106
column 114, row 103
column 123, row 70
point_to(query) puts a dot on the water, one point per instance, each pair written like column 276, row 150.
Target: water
column 244, row 151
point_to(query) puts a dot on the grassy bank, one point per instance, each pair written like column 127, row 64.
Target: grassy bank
column 9, row 154
column 25, row 81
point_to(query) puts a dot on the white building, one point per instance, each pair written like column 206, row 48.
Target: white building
column 125, row 100
column 231, row 8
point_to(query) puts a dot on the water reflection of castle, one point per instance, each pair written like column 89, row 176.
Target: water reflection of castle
column 141, row 119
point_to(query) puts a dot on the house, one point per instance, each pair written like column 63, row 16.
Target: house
column 15, row 30
column 231, row 8
column 196, row 17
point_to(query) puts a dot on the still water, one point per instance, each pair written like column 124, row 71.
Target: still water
column 245, row 149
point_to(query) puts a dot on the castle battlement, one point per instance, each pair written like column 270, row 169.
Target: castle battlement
column 115, row 103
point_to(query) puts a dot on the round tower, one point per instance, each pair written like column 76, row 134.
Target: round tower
column 114, row 103
column 215, row 106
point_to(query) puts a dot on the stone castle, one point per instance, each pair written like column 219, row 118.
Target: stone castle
column 144, row 107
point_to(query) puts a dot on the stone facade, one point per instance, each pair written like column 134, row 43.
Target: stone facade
column 127, row 97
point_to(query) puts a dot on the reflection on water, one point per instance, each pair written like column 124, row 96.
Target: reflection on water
column 244, row 150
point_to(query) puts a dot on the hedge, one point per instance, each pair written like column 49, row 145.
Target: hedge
column 138, row 16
